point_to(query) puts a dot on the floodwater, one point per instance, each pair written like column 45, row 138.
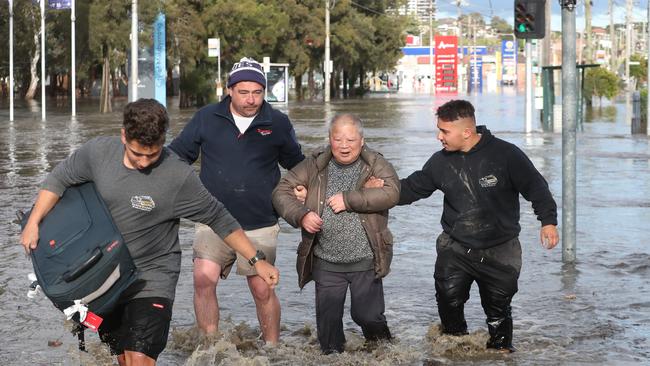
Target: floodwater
column 594, row 312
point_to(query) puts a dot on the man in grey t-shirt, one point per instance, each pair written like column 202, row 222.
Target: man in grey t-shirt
column 147, row 189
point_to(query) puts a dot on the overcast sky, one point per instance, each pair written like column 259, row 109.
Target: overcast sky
column 505, row 10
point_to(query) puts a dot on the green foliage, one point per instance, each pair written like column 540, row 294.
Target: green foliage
column 640, row 71
column 500, row 25
column 366, row 36
column 599, row 82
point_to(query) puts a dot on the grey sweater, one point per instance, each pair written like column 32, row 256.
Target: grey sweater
column 146, row 207
column 342, row 242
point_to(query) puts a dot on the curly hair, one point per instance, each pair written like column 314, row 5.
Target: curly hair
column 455, row 109
column 146, row 121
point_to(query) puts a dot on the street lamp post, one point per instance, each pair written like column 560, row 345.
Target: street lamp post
column 134, row 51
column 326, row 66
column 11, row 60
column 42, row 60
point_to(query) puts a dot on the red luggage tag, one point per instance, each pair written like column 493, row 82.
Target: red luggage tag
column 92, row 321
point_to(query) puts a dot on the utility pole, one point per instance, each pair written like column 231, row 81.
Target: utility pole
column 648, row 52
column 42, row 60
column 547, row 42
column 588, row 47
column 326, row 66
column 628, row 51
column 431, row 47
column 612, row 35
column 569, row 117
column 529, row 86
column 11, row 60
column 73, row 61
column 134, row 51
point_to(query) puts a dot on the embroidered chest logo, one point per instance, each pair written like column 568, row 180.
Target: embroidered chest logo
column 144, row 203
column 264, row 132
column 488, row 181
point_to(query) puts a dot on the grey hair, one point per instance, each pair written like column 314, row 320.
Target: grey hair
column 346, row 118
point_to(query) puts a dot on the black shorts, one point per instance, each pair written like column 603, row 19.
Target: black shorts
column 139, row 325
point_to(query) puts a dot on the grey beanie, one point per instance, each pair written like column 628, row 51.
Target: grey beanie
column 247, row 69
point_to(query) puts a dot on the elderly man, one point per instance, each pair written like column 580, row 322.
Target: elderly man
column 345, row 238
column 241, row 141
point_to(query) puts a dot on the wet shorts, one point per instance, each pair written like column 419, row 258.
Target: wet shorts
column 139, row 325
column 208, row 245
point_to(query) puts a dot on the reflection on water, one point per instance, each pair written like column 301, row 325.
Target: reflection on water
column 596, row 311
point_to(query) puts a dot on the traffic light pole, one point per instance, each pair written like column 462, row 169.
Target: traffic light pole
column 529, row 86
column 569, row 116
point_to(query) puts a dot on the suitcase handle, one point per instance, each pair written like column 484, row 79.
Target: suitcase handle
column 94, row 258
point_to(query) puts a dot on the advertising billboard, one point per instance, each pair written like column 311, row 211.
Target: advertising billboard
column 446, row 60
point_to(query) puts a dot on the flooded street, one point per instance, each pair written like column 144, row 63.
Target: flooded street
column 594, row 312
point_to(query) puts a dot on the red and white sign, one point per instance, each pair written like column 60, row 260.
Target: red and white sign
column 446, row 59
column 412, row 40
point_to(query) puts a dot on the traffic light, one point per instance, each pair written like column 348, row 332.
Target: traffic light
column 530, row 18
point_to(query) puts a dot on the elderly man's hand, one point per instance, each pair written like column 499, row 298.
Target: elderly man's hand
column 301, row 193
column 337, row 203
column 268, row 272
column 311, row 222
column 373, row 182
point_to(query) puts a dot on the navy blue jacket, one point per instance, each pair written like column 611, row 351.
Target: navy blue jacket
column 240, row 169
column 481, row 188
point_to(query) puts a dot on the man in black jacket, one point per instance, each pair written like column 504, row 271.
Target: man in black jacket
column 481, row 177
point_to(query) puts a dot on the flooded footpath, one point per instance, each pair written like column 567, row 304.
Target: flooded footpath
column 596, row 311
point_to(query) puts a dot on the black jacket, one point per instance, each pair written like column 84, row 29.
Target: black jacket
column 481, row 188
column 240, row 169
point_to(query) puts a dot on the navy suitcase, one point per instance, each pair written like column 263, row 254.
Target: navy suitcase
column 81, row 259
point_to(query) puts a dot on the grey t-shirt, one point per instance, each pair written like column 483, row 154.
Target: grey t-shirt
column 146, row 207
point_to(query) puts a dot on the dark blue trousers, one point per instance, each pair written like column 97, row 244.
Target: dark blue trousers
column 367, row 307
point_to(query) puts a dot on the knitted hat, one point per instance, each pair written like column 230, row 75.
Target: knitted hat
column 247, row 69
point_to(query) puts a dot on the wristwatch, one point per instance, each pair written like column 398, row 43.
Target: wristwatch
column 259, row 255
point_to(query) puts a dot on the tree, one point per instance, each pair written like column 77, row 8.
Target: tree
column 599, row 82
column 640, row 71
column 500, row 25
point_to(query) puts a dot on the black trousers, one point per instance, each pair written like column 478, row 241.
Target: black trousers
column 367, row 306
column 495, row 270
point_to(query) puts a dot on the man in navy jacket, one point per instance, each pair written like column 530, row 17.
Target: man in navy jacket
column 481, row 177
column 241, row 141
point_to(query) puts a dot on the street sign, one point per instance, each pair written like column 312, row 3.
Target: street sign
column 214, row 47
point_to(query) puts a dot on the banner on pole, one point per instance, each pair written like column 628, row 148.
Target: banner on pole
column 159, row 60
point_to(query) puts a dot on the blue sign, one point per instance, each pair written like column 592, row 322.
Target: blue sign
column 476, row 73
column 59, row 4
column 508, row 61
column 474, row 50
column 159, row 60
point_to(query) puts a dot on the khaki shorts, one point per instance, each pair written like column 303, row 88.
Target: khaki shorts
column 208, row 245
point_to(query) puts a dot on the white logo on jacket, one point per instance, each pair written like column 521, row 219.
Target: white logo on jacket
column 488, row 181
column 144, row 203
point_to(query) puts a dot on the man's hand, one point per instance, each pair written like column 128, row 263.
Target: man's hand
column 549, row 236
column 311, row 222
column 268, row 272
column 301, row 193
column 29, row 237
column 373, row 182
column 337, row 203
